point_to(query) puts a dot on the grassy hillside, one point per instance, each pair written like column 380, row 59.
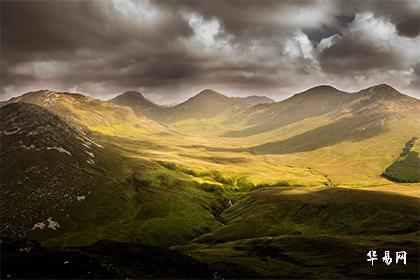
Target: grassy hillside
column 75, row 190
column 312, row 233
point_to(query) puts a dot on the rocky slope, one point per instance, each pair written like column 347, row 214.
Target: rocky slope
column 46, row 165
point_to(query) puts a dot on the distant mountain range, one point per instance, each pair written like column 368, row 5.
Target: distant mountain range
column 206, row 104
column 319, row 117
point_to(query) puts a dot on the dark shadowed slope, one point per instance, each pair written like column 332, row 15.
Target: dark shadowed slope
column 102, row 260
column 313, row 102
column 355, row 128
column 406, row 168
column 45, row 166
column 313, row 234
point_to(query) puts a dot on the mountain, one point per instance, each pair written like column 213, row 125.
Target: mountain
column 321, row 101
column 310, row 103
column 141, row 105
column 46, row 166
column 205, row 105
column 83, row 111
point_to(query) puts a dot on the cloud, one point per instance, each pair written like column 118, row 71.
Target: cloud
column 171, row 49
column 369, row 42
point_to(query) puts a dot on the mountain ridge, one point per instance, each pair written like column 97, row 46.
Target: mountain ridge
column 323, row 100
column 83, row 112
column 207, row 103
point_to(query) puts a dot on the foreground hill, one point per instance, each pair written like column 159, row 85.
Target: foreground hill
column 46, row 166
column 64, row 187
column 103, row 260
column 313, row 233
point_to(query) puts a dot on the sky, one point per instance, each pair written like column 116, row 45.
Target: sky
column 170, row 50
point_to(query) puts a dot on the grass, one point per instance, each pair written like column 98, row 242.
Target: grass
column 306, row 257
column 153, row 205
column 312, row 233
column 279, row 211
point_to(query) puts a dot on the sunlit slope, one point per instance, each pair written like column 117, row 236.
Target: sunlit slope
column 81, row 110
column 321, row 136
column 361, row 136
column 347, row 138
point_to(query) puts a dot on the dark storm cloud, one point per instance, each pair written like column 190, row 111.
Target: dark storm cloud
column 169, row 49
column 62, row 26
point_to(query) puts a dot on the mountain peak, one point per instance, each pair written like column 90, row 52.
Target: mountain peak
column 131, row 98
column 209, row 92
column 383, row 87
column 132, row 93
column 381, row 90
column 45, row 95
column 321, row 91
column 323, row 88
